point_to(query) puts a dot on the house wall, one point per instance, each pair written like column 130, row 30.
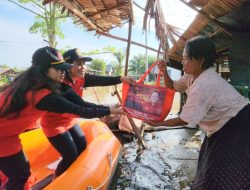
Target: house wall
column 239, row 59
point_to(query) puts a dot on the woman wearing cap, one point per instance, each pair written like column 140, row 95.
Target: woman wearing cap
column 65, row 130
column 23, row 101
column 214, row 105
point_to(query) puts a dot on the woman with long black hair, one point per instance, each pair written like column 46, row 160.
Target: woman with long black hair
column 66, row 130
column 34, row 92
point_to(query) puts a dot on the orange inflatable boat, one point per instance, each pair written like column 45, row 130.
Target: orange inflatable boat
column 93, row 169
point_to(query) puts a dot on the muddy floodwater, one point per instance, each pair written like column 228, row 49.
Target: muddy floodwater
column 168, row 162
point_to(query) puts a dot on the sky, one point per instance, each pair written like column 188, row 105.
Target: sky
column 17, row 44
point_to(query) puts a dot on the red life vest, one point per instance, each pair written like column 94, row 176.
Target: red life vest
column 54, row 123
column 10, row 128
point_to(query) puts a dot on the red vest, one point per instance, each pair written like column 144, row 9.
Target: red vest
column 11, row 128
column 77, row 85
column 54, row 123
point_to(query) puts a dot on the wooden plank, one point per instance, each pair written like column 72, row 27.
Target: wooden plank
column 128, row 47
column 77, row 12
column 173, row 56
column 111, row 8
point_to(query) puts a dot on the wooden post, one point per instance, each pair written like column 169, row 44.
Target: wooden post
column 128, row 47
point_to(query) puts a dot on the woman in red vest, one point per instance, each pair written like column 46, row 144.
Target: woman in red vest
column 34, row 92
column 63, row 129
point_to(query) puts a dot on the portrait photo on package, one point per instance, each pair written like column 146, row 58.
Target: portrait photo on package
column 145, row 102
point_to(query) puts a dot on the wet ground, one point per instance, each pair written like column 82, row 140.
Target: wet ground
column 169, row 162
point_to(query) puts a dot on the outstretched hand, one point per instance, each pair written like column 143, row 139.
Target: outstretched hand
column 116, row 109
column 162, row 65
column 129, row 80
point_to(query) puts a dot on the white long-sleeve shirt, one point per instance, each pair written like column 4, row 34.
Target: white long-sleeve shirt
column 211, row 101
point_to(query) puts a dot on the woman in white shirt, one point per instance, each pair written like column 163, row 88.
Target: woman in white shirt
column 214, row 105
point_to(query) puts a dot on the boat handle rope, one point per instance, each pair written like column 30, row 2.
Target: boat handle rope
column 109, row 155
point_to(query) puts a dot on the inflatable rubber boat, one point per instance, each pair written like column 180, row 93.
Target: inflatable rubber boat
column 93, row 169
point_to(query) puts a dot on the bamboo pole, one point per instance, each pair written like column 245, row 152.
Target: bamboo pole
column 146, row 53
column 128, row 47
column 125, row 40
column 175, row 57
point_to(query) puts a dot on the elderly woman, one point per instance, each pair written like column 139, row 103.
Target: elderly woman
column 214, row 105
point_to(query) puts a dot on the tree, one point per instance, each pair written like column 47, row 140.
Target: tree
column 64, row 49
column 137, row 65
column 4, row 66
column 47, row 20
column 98, row 65
column 119, row 56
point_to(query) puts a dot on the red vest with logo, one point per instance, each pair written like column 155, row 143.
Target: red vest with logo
column 54, row 123
column 10, row 128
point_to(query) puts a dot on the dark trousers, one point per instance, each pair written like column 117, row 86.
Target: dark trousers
column 17, row 168
column 69, row 144
column 224, row 159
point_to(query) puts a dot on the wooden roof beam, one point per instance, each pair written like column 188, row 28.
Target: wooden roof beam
column 216, row 32
column 125, row 40
column 213, row 20
column 77, row 11
column 175, row 57
column 111, row 8
column 131, row 12
column 128, row 47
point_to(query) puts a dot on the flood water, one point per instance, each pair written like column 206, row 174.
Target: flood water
column 168, row 162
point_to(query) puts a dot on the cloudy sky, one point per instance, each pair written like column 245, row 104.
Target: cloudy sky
column 17, row 44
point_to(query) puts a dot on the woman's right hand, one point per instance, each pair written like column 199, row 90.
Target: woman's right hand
column 116, row 110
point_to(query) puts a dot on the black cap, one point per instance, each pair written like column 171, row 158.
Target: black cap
column 50, row 57
column 74, row 54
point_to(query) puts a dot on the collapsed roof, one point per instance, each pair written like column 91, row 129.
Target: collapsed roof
column 215, row 18
column 98, row 15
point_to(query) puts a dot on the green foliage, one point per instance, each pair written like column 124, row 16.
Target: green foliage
column 99, row 65
column 48, row 20
column 66, row 48
column 3, row 80
column 92, row 52
column 137, row 65
column 110, row 49
column 118, row 54
column 39, row 26
column 4, row 66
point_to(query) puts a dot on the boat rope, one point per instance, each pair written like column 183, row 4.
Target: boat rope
column 98, row 100
column 44, row 182
column 156, row 172
column 109, row 156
